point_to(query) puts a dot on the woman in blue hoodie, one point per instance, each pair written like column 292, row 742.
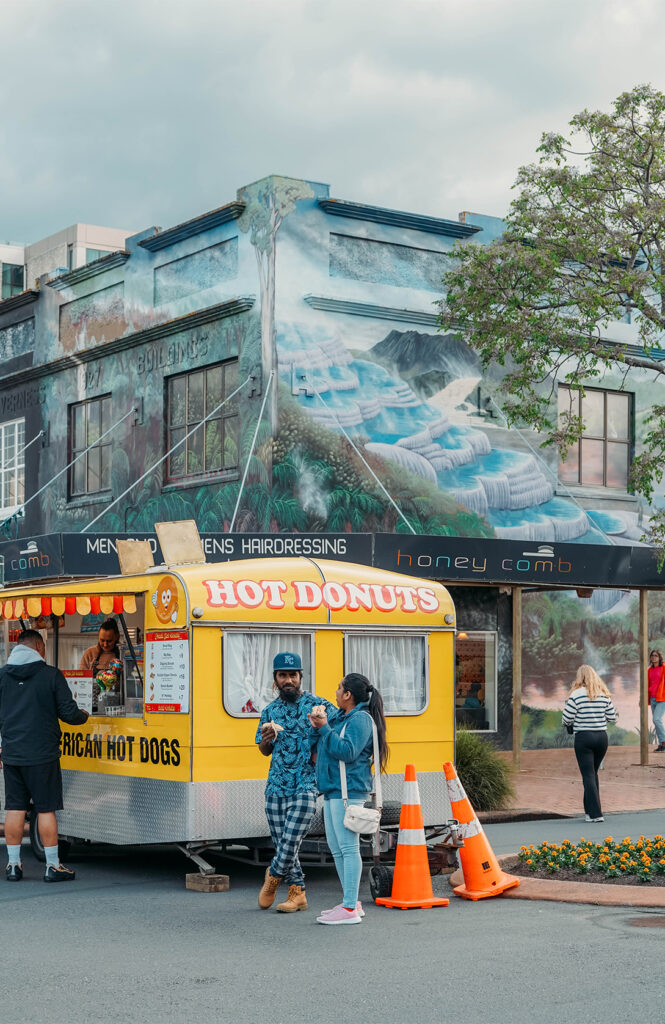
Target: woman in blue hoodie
column 357, row 700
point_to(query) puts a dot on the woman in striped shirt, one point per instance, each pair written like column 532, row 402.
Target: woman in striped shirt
column 588, row 709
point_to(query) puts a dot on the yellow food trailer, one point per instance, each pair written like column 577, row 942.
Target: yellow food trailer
column 169, row 754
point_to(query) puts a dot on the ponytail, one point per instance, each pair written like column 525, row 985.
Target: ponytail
column 362, row 691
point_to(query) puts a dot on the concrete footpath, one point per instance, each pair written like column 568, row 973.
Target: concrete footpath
column 549, row 782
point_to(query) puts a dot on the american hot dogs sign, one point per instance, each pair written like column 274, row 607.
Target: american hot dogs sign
column 307, row 595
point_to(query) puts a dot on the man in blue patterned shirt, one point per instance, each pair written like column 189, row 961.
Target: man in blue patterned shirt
column 282, row 734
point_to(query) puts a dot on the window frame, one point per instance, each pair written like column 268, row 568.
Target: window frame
column 477, row 634
column 72, row 494
column 628, row 443
column 8, row 288
column 394, row 634
column 170, row 478
column 98, row 254
column 244, row 628
column 18, row 467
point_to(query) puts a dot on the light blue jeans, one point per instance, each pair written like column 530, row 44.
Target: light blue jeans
column 657, row 713
column 345, row 848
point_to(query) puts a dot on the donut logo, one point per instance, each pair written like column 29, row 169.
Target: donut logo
column 165, row 600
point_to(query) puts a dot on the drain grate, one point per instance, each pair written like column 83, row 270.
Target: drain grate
column 648, row 921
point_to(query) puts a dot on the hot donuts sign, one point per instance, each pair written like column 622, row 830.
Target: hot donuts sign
column 306, row 595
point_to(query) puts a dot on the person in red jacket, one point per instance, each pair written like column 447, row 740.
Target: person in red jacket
column 656, row 676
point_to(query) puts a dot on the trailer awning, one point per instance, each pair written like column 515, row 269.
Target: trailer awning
column 68, row 604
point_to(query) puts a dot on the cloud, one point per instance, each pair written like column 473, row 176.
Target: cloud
column 136, row 112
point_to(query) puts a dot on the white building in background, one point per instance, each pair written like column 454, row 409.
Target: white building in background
column 21, row 265
column 12, row 269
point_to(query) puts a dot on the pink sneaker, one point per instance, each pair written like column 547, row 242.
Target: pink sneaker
column 359, row 910
column 340, row 915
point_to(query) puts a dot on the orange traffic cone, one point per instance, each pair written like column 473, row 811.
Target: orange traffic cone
column 482, row 874
column 412, row 883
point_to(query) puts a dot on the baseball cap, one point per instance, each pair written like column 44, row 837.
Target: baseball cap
column 285, row 661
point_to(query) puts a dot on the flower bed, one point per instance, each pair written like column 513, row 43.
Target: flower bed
column 624, row 862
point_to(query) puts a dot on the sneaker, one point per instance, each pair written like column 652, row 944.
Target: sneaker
column 14, row 872
column 59, row 874
column 359, row 910
column 587, row 817
column 598, row 819
column 660, row 749
column 340, row 915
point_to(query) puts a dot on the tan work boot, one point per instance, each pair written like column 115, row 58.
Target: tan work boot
column 296, row 900
column 268, row 890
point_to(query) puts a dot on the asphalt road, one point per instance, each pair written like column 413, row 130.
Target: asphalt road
column 126, row 942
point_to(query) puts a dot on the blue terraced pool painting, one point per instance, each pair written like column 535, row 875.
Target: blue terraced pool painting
column 512, row 490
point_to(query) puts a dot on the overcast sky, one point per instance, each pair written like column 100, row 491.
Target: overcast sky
column 130, row 113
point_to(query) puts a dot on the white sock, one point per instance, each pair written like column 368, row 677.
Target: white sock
column 52, row 858
column 14, row 854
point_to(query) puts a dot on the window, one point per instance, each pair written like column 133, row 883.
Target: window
column 12, row 464
column 601, row 458
column 95, row 254
column 190, row 398
column 12, row 280
column 396, row 665
column 247, row 668
column 475, row 680
column 91, row 472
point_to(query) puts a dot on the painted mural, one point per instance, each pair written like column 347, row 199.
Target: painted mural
column 412, row 405
column 354, row 414
column 562, row 631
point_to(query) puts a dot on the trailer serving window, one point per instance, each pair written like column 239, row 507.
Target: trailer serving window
column 117, row 690
column 395, row 664
column 247, row 668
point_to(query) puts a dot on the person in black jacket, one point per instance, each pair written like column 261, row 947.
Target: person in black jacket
column 33, row 696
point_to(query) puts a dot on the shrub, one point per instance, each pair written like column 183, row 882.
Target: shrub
column 486, row 777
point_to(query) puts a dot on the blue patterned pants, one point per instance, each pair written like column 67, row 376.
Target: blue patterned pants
column 289, row 818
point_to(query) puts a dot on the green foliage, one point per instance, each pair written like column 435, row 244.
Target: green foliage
column 582, row 248
column 485, row 775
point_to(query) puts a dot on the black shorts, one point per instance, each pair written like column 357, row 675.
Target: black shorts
column 41, row 783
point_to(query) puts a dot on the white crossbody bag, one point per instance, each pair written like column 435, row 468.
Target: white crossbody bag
column 365, row 820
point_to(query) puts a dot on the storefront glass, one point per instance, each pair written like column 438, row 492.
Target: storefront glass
column 475, row 680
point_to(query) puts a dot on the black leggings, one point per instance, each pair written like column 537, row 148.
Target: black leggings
column 590, row 749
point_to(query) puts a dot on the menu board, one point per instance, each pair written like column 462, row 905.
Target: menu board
column 166, row 664
column 80, row 683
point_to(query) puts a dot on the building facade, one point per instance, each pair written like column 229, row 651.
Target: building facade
column 73, row 247
column 274, row 366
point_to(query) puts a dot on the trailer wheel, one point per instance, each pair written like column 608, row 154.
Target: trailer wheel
column 380, row 881
column 391, row 813
column 64, row 845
